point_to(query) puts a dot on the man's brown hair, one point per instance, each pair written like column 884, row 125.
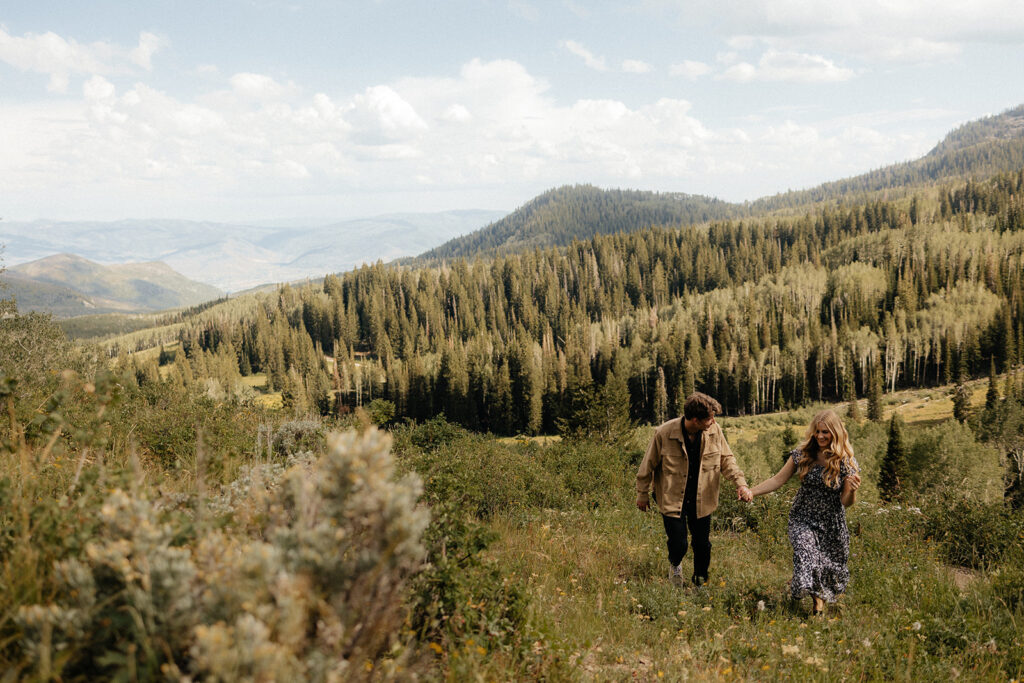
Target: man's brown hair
column 700, row 406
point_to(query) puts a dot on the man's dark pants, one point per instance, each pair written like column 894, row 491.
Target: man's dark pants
column 700, row 537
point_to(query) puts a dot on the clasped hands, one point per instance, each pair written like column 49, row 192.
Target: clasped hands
column 745, row 494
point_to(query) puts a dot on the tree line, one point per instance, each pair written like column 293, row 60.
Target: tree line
column 766, row 314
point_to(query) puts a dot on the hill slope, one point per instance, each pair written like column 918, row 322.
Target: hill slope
column 68, row 285
column 562, row 215
column 980, row 148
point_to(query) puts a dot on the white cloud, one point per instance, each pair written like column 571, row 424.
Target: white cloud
column 598, row 63
column 592, row 61
column 789, row 66
column 384, row 110
column 60, row 58
column 901, row 30
column 491, row 125
column 635, row 66
column 98, row 88
column 690, row 69
column 259, row 86
column 741, row 73
column 457, row 114
column 149, row 44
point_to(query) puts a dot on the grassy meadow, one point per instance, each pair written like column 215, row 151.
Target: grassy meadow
column 152, row 533
column 600, row 606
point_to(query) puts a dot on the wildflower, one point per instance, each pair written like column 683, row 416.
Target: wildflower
column 815, row 661
column 790, row 650
column 436, row 648
column 760, row 605
column 916, row 626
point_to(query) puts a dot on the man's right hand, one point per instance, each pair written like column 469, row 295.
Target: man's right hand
column 643, row 502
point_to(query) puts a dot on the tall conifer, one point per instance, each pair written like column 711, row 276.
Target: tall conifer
column 893, row 471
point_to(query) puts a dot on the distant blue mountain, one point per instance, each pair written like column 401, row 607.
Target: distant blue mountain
column 234, row 257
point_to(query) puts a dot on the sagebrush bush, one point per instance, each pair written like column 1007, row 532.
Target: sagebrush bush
column 299, row 436
column 314, row 590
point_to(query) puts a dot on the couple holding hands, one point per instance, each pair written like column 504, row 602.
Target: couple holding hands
column 686, row 493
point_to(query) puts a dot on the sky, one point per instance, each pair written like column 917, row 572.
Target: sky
column 268, row 110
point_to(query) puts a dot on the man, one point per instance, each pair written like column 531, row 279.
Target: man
column 686, row 460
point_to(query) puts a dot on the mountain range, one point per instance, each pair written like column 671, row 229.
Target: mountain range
column 68, row 285
column 233, row 257
column 977, row 149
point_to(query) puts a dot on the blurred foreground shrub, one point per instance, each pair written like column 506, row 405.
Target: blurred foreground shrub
column 315, row 589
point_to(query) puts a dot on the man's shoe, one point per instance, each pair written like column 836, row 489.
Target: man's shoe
column 699, row 581
column 675, row 573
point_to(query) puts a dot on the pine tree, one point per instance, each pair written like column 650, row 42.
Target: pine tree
column 660, row 398
column 961, row 402
column 875, row 395
column 893, row 471
column 992, row 395
column 789, row 442
column 686, row 387
column 850, row 391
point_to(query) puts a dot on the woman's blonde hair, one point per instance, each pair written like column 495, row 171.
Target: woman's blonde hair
column 838, row 452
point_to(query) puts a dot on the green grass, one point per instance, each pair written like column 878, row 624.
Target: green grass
column 602, row 607
column 602, row 602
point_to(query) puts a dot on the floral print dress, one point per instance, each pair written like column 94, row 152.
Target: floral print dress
column 818, row 533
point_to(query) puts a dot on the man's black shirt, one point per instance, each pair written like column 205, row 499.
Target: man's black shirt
column 693, row 470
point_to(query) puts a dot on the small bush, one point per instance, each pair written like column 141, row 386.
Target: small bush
column 1008, row 583
column 973, row 533
column 299, row 436
column 433, row 433
column 458, row 595
column 487, row 477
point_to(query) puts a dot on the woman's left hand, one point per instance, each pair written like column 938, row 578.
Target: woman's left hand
column 853, row 481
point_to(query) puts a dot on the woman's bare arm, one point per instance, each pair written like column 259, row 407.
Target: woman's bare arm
column 780, row 478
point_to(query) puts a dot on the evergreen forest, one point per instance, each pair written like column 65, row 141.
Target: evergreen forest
column 766, row 314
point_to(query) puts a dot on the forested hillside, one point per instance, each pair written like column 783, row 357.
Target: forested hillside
column 568, row 213
column 765, row 314
column 977, row 149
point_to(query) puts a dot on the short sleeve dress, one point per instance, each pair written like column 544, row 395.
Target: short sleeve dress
column 818, row 533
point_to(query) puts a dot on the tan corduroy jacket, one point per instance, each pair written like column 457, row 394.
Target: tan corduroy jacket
column 666, row 464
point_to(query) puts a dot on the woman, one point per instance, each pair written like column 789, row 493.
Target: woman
column 829, row 481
